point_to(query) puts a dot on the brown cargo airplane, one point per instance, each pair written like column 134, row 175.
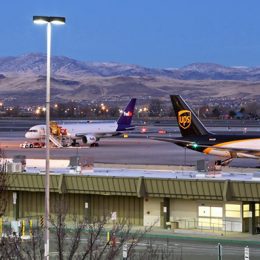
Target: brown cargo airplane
column 196, row 137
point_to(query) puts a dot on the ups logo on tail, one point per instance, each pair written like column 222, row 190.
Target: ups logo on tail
column 184, row 119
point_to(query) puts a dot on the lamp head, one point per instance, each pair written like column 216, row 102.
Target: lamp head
column 49, row 19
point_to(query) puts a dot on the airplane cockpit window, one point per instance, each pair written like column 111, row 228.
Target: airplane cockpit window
column 33, row 131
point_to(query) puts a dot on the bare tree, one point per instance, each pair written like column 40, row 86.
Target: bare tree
column 155, row 108
column 4, row 181
column 10, row 248
column 74, row 238
column 91, row 240
column 14, row 247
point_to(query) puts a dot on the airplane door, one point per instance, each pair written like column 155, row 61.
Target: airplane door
column 42, row 132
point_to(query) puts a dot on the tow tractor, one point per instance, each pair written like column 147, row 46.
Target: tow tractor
column 32, row 145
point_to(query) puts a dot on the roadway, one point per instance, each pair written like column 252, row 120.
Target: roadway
column 116, row 150
column 170, row 245
column 203, row 248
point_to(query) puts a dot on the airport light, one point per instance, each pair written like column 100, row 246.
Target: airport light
column 48, row 20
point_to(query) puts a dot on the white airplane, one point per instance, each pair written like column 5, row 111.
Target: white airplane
column 89, row 132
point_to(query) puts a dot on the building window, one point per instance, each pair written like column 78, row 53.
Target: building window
column 257, row 208
column 207, row 211
column 204, row 211
column 246, row 211
column 210, row 217
column 233, row 210
column 210, row 222
column 216, row 212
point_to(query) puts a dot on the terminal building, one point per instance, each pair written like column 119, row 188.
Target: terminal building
column 169, row 198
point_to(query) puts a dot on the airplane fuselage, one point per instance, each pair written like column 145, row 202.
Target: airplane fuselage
column 99, row 129
column 78, row 130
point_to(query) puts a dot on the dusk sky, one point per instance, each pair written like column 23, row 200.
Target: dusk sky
column 151, row 33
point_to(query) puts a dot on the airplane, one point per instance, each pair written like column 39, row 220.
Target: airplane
column 89, row 132
column 196, row 137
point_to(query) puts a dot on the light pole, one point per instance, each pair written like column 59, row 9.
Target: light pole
column 48, row 20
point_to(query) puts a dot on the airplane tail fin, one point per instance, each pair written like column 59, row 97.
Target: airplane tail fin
column 124, row 121
column 188, row 122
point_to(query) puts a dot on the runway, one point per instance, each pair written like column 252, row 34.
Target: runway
column 118, row 151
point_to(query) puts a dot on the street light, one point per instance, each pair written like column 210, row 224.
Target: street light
column 48, row 20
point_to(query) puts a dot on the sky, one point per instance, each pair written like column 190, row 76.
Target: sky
column 150, row 33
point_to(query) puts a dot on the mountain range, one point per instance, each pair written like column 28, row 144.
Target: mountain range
column 23, row 79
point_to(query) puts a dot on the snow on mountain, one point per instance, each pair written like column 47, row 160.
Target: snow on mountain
column 24, row 76
column 36, row 63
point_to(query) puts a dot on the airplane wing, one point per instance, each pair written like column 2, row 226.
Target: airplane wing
column 152, row 130
column 171, row 140
column 157, row 137
column 234, row 150
column 231, row 150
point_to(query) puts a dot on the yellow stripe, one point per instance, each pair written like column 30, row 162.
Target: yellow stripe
column 209, row 149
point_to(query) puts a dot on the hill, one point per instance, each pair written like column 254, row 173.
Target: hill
column 23, row 79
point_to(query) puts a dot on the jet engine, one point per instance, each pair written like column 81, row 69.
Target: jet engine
column 89, row 139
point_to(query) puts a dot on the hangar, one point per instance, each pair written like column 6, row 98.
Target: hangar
column 185, row 199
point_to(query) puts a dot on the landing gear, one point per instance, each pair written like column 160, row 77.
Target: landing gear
column 74, row 143
column 94, row 145
column 224, row 162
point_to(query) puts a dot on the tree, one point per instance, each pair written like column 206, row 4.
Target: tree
column 216, row 112
column 74, row 238
column 232, row 113
column 98, row 244
column 4, row 180
column 114, row 111
column 81, row 239
column 14, row 247
column 155, row 107
column 253, row 109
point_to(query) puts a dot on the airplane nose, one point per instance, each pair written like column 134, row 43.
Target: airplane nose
column 27, row 135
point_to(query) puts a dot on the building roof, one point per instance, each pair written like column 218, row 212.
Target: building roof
column 146, row 183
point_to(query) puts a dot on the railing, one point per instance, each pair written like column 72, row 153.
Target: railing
column 196, row 224
column 55, row 141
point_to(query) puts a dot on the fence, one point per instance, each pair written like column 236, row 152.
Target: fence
column 150, row 246
column 22, row 227
column 206, row 225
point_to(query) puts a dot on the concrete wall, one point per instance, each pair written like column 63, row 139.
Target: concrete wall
column 184, row 212
column 138, row 211
column 152, row 211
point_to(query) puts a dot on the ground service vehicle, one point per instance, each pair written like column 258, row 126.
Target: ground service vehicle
column 32, row 145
